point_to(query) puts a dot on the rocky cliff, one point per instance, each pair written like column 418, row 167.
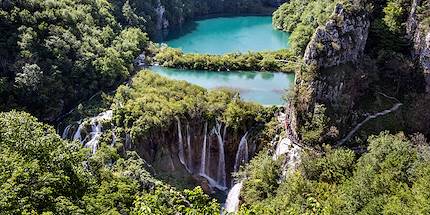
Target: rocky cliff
column 331, row 80
column 418, row 31
column 341, row 40
column 189, row 151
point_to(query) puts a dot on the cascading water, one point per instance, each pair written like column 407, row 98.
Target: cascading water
column 232, row 201
column 91, row 138
column 242, row 153
column 205, row 161
column 181, row 153
column 77, row 135
column 203, row 157
column 221, row 175
column 189, row 149
column 66, row 131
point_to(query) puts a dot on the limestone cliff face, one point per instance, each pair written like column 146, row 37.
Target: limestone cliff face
column 333, row 77
column 341, row 40
column 419, row 34
column 205, row 151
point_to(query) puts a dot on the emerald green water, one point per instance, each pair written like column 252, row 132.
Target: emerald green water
column 266, row 88
column 227, row 35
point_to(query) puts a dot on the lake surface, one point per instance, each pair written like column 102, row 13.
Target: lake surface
column 227, row 35
column 266, row 88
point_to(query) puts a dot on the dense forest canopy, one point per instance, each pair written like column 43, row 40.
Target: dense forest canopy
column 57, row 54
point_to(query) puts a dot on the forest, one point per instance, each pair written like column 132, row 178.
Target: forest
column 84, row 130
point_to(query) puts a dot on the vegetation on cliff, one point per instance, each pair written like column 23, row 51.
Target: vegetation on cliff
column 146, row 14
column 391, row 178
column 153, row 102
column 280, row 61
column 301, row 18
column 41, row 173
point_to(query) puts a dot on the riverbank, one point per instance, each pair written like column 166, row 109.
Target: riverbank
column 280, row 61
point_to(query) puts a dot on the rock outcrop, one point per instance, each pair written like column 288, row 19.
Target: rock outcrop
column 331, row 78
column 341, row 40
column 419, row 34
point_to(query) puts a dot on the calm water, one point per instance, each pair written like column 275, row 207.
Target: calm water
column 228, row 34
column 265, row 88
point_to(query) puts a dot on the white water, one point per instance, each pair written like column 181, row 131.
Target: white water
column 203, row 157
column 283, row 147
column 91, row 138
column 181, row 153
column 66, row 131
column 221, row 175
column 77, row 135
column 242, row 153
column 232, row 202
column 189, row 149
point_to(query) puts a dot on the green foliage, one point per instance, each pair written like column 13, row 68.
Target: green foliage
column 41, row 173
column 143, row 14
column 301, row 18
column 391, row 178
column 334, row 167
column 168, row 201
column 396, row 13
column 316, row 125
column 153, row 102
column 56, row 53
column 262, row 175
column 282, row 61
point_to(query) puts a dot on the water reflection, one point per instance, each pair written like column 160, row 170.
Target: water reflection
column 228, row 35
column 263, row 87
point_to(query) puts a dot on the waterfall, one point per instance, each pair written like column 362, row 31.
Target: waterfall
column 66, row 131
column 189, row 149
column 95, row 134
column 220, row 182
column 181, row 153
column 282, row 148
column 287, row 147
column 77, row 135
column 221, row 157
column 242, row 153
column 203, row 158
column 232, row 201
column 91, row 138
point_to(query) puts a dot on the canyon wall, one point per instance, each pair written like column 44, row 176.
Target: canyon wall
column 206, row 152
column 418, row 31
column 331, row 78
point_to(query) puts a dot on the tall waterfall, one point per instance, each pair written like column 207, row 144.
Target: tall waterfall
column 242, row 153
column 221, row 156
column 181, row 153
column 204, row 149
column 219, row 180
column 189, row 149
column 232, row 202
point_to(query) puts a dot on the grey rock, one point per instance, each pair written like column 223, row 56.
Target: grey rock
column 340, row 41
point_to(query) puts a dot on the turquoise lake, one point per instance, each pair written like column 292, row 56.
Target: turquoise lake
column 227, row 35
column 266, row 88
